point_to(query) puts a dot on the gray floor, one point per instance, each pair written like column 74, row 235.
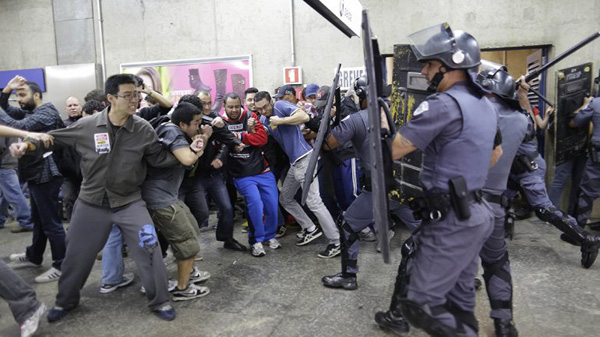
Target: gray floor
column 281, row 294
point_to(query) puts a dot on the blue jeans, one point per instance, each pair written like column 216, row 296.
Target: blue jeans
column 12, row 194
column 261, row 196
column 113, row 266
column 47, row 225
column 214, row 186
column 573, row 169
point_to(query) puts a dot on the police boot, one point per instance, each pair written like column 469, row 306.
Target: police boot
column 390, row 322
column 505, row 328
column 589, row 250
column 340, row 280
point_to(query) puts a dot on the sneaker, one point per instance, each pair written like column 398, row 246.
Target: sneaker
column 198, row 257
column 198, row 276
column 166, row 312
column 30, row 326
column 301, row 233
column 205, row 229
column 109, row 288
column 390, row 236
column 273, row 244
column 309, row 236
column 172, row 285
column 258, row 250
column 245, row 227
column 367, row 236
column 332, row 250
column 191, row 292
column 280, row 232
column 56, row 314
column 50, row 275
column 21, row 260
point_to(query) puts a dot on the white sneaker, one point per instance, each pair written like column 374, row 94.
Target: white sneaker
column 50, row 275
column 274, row 244
column 21, row 260
column 258, row 250
column 172, row 285
column 198, row 276
column 30, row 326
column 390, row 237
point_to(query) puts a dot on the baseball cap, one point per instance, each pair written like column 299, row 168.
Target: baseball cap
column 322, row 95
column 285, row 90
column 311, row 90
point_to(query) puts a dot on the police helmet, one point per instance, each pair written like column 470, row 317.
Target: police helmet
column 494, row 77
column 360, row 87
column 456, row 50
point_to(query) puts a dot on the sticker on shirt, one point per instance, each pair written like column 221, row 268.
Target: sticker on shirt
column 102, row 142
column 421, row 108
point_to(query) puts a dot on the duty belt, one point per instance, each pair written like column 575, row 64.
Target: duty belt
column 436, row 206
column 501, row 199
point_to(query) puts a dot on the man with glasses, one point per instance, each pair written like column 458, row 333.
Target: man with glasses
column 41, row 174
column 115, row 146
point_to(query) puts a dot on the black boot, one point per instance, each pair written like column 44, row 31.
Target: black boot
column 589, row 250
column 390, row 322
column 340, row 280
column 505, row 328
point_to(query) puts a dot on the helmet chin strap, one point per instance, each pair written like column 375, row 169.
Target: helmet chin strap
column 435, row 81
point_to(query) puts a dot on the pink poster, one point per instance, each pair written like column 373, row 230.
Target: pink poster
column 177, row 78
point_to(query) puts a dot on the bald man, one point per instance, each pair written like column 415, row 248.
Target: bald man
column 73, row 110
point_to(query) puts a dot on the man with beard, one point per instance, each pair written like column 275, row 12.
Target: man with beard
column 41, row 174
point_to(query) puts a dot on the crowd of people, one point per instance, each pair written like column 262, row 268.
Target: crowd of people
column 145, row 177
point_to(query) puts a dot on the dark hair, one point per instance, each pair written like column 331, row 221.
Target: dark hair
column 192, row 99
column 112, row 83
column 34, row 87
column 251, row 90
column 231, row 95
column 92, row 105
column 262, row 95
column 303, row 94
column 184, row 113
column 96, row 95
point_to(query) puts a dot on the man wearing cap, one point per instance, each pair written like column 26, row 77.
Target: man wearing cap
column 284, row 120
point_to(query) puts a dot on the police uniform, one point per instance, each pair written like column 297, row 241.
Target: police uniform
column 528, row 171
column 455, row 130
column 590, row 182
column 359, row 214
column 494, row 254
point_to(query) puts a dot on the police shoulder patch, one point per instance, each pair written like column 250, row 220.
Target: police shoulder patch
column 421, row 108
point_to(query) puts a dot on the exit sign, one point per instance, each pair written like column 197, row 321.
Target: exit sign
column 292, row 75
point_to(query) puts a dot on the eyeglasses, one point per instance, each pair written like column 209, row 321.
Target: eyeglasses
column 129, row 96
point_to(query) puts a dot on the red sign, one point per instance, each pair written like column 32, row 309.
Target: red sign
column 292, row 75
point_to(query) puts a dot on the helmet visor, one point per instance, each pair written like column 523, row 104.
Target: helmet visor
column 432, row 41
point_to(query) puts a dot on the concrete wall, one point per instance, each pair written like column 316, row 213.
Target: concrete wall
column 150, row 30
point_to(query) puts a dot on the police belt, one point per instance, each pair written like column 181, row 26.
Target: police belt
column 501, row 199
column 435, row 207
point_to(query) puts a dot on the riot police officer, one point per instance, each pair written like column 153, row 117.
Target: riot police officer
column 359, row 214
column 455, row 128
column 528, row 171
column 494, row 254
column 590, row 182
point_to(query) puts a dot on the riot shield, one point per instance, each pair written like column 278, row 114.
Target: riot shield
column 373, row 68
column 314, row 156
column 573, row 84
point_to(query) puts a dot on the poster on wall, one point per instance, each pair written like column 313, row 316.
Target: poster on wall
column 176, row 78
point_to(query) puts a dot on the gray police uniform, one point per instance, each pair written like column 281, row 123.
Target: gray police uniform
column 494, row 254
column 359, row 214
column 455, row 130
column 531, row 180
column 590, row 182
